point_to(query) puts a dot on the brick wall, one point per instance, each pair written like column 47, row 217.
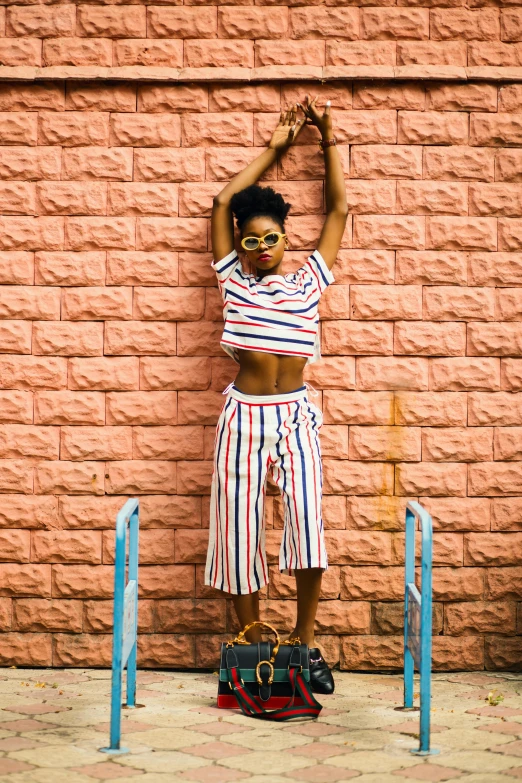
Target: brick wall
column 111, row 372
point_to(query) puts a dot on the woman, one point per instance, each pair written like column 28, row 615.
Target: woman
column 267, row 421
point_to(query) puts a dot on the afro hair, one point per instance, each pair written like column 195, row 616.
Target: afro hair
column 257, row 201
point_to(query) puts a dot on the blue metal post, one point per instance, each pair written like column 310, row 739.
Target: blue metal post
column 418, row 620
column 124, row 643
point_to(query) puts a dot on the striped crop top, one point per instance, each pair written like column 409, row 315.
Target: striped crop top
column 275, row 313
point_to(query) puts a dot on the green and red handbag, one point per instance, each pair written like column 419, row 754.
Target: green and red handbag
column 266, row 680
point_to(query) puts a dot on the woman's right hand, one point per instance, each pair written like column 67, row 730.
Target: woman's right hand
column 287, row 130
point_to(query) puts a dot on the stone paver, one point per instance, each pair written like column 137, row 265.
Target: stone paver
column 53, row 734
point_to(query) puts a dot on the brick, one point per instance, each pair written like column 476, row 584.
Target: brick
column 385, row 443
column 447, row 548
column 156, row 547
column 171, row 581
column 509, row 98
column 82, row 650
column 200, row 339
column 465, row 374
column 370, row 196
column 510, row 374
column 20, row 51
column 495, row 199
column 385, row 302
column 40, row 615
column 66, row 546
column 462, row 97
column 138, row 198
column 391, row 232
column 31, row 233
column 69, row 478
column 65, row 198
column 458, row 584
column 507, row 443
column 77, row 52
column 174, row 373
column 69, row 407
column 457, row 444
column 354, row 407
column 431, row 267
column 96, row 304
column 17, row 198
column 509, row 237
column 430, row 479
column 18, row 128
column 495, row 130
column 16, row 546
column 461, row 233
column 459, row 163
column 20, row 580
column 98, row 616
column 333, row 372
column 353, row 338
column 145, row 130
column 178, row 304
column 96, row 443
column 126, row 21
column 30, row 372
column 501, row 653
column 16, row 476
column 172, row 97
column 429, row 338
column 344, row 477
column 84, row 512
column 16, row 267
column 67, row 339
column 30, row 303
column 169, row 165
column 111, row 163
column 70, row 268
column 28, row 511
column 300, row 53
column 82, row 581
column 170, row 233
column 140, row 477
column 188, row 615
column 491, row 549
column 431, row 53
column 371, row 653
column 195, row 478
column 501, row 408
column 432, row 198
column 458, row 514
column 104, row 373
column 501, row 339
column 509, row 165
column 440, row 409
column 22, row 649
column 420, row 127
column 148, row 52
column 141, row 407
column 448, row 24
column 73, row 129
column 334, row 442
column 367, row 127
column 40, row 22
column 391, row 373
column 511, row 25
column 15, row 337
column 494, row 53
column 168, row 442
column 136, row 338
column 21, row 97
column 388, row 96
column 181, row 22
column 20, row 440
column 495, row 269
column 446, row 303
column 375, row 513
column 99, row 96
column 360, row 53
column 458, row 654
column 386, row 162
column 508, row 304
column 364, row 547
column 136, row 268
column 395, row 23
column 504, row 583
column 496, row 478
column 169, row 650
column 93, row 233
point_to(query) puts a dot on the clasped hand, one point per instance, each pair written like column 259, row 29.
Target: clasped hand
column 289, row 126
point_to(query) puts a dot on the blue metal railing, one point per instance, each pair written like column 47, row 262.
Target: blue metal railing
column 125, row 631
column 418, row 620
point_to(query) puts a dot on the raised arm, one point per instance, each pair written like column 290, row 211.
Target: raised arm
column 222, row 224
column 335, row 189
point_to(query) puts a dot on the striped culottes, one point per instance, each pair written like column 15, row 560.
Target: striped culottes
column 254, row 434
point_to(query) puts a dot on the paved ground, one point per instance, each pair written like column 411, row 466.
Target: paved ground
column 52, row 723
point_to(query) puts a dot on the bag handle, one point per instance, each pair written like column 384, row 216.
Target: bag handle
column 240, row 639
column 249, row 706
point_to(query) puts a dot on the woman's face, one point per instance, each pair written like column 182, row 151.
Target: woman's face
column 258, row 227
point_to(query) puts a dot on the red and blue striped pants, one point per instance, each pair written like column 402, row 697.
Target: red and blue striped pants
column 254, row 434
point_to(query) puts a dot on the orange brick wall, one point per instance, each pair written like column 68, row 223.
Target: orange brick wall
column 111, row 372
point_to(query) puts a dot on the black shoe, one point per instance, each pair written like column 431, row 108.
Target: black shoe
column 321, row 679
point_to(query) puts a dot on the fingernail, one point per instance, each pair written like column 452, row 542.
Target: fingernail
column 328, row 103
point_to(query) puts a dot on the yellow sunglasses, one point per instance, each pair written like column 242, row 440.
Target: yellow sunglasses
column 270, row 239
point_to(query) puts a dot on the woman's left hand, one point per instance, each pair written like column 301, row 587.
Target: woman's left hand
column 287, row 130
column 323, row 122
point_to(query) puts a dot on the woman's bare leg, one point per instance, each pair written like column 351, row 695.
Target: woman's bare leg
column 247, row 611
column 308, row 581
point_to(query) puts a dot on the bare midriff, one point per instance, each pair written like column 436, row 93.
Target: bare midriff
column 269, row 373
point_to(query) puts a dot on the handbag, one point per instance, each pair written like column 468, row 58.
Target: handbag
column 266, row 680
